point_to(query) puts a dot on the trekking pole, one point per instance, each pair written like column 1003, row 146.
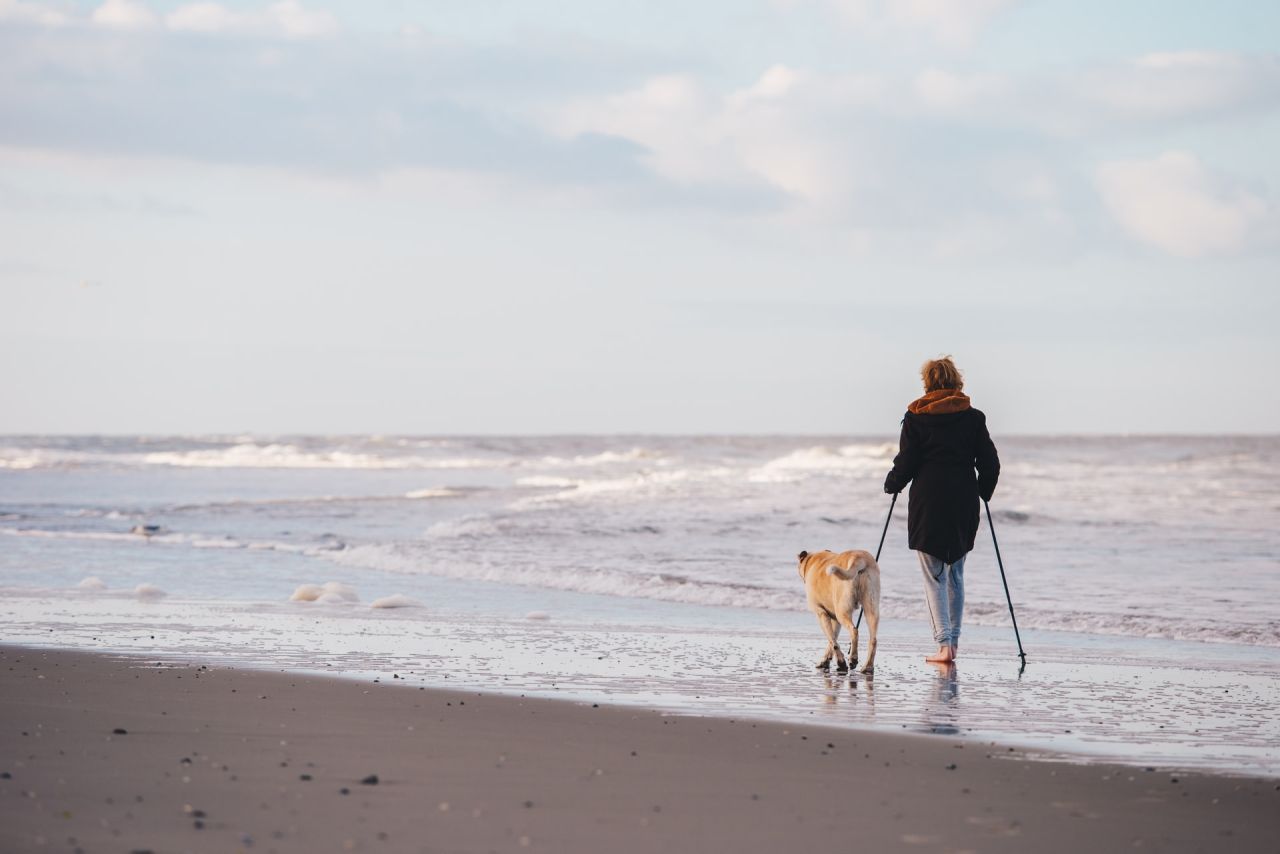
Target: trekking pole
column 1005, row 581
column 858, row 625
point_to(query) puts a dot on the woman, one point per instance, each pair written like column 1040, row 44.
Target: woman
column 944, row 440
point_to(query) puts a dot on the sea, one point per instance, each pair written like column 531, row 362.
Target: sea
column 1143, row 572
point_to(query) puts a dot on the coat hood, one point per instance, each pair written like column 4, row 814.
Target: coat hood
column 943, row 401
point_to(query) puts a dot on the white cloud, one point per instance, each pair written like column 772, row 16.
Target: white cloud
column 289, row 19
column 203, row 18
column 124, row 15
column 949, row 92
column 1175, row 86
column 295, row 21
column 1174, row 203
column 775, row 132
column 952, row 23
column 284, row 19
column 30, row 13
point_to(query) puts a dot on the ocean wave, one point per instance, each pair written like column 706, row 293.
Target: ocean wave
column 250, row 455
column 172, row 538
column 285, row 455
column 1205, row 630
column 603, row 458
column 859, row 459
column 253, row 455
column 663, row 586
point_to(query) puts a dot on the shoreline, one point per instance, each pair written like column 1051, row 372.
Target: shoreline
column 221, row 758
column 1093, row 698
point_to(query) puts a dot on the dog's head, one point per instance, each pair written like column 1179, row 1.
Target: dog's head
column 802, row 557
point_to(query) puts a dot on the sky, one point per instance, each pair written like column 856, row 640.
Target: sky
column 757, row 216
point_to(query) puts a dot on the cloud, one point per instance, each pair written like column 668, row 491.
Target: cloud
column 949, row 23
column 950, row 92
column 1174, row 203
column 31, row 13
column 124, row 15
column 959, row 160
column 1169, row 87
column 363, row 108
column 767, row 134
column 287, row 18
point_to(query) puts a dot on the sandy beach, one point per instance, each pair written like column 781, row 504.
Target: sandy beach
column 110, row 753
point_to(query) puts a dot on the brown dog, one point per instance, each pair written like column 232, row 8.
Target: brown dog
column 836, row 584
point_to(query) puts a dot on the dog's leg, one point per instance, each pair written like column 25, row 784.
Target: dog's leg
column 873, row 623
column 841, row 666
column 847, row 621
column 830, row 628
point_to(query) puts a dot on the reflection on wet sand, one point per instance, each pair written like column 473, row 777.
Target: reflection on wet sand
column 942, row 706
column 858, row 688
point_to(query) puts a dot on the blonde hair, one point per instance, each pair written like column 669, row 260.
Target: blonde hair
column 941, row 373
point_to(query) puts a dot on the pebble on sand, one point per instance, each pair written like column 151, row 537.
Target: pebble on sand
column 371, row 780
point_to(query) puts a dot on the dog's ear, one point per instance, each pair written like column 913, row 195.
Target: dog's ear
column 802, row 555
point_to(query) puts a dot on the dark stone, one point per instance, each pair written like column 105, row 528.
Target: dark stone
column 371, row 780
column 344, row 791
column 951, row 767
column 116, row 731
column 304, row 776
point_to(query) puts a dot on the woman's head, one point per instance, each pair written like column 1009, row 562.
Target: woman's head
column 941, row 373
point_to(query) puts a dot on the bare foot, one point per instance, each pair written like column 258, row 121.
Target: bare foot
column 944, row 655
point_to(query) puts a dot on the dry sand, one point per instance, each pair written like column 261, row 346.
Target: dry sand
column 104, row 754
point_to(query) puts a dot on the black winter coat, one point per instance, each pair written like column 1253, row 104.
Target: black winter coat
column 940, row 453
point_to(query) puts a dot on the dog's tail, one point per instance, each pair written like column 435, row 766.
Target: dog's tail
column 857, row 565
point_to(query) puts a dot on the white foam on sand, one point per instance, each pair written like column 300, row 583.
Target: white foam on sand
column 537, row 615
column 93, row 582
column 395, row 600
column 307, row 593
column 149, row 591
column 329, row 593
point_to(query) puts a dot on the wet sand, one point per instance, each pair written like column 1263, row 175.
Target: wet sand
column 104, row 753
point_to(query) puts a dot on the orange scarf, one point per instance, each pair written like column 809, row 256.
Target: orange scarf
column 940, row 402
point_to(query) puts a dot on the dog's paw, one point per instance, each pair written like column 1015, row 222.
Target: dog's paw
column 841, row 667
column 823, row 665
column 869, row 670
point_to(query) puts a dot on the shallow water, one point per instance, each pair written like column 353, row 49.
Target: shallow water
column 1159, row 703
column 1145, row 573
